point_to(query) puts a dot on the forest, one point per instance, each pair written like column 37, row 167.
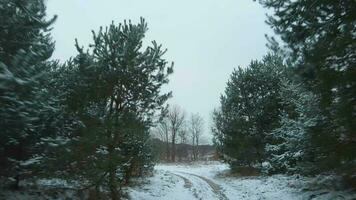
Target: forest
column 294, row 110
column 102, row 119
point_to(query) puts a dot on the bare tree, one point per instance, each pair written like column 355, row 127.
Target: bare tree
column 183, row 135
column 182, row 150
column 196, row 126
column 164, row 134
column 176, row 118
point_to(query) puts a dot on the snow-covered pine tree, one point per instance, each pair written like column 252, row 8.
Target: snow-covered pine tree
column 249, row 110
column 291, row 149
column 25, row 46
column 115, row 91
column 321, row 38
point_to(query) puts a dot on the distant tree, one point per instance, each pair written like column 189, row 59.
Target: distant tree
column 163, row 131
column 196, row 128
column 182, row 150
column 183, row 135
column 176, row 119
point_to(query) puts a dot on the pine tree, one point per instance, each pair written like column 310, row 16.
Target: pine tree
column 25, row 46
column 114, row 90
column 320, row 36
column 249, row 110
column 291, row 148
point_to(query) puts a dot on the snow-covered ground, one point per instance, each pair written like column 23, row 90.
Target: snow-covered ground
column 205, row 181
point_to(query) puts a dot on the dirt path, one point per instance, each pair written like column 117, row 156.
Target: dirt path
column 215, row 187
column 187, row 182
column 195, row 183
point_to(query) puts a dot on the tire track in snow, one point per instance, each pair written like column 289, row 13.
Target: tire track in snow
column 187, row 184
column 215, row 187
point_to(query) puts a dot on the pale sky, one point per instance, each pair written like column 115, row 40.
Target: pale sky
column 206, row 39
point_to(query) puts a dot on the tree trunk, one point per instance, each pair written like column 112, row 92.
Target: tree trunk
column 128, row 173
column 197, row 148
column 194, row 149
column 168, row 153
column 16, row 184
column 113, row 187
column 112, row 178
column 18, row 156
column 167, row 149
column 173, row 151
column 114, row 194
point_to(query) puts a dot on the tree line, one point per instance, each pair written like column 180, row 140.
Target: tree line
column 176, row 127
column 294, row 111
column 86, row 120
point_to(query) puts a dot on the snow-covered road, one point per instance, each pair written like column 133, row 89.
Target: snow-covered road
column 180, row 182
column 201, row 187
column 202, row 181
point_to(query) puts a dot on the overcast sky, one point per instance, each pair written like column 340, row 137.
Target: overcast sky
column 206, row 39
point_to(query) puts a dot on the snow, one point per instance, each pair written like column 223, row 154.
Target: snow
column 56, row 183
column 31, row 161
column 163, row 185
column 209, row 181
column 175, row 182
column 201, row 180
